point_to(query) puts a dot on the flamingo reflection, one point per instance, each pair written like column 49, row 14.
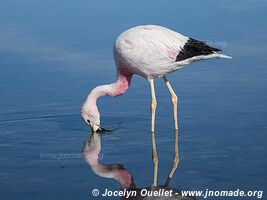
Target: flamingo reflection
column 91, row 151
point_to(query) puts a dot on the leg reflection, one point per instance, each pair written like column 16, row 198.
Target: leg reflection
column 175, row 160
column 155, row 160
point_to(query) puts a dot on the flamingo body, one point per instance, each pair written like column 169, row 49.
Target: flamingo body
column 152, row 51
column 148, row 51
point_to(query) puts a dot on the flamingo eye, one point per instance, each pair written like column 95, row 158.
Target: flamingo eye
column 88, row 121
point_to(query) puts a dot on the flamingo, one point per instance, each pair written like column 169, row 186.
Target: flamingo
column 150, row 51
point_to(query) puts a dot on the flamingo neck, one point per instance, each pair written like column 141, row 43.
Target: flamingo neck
column 116, row 172
column 114, row 89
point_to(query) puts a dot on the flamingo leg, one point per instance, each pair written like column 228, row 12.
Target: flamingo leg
column 153, row 112
column 153, row 105
column 174, row 101
column 175, row 160
column 176, row 153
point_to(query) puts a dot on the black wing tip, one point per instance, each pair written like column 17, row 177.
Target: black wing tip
column 202, row 45
column 195, row 48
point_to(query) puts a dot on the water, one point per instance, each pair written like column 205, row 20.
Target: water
column 52, row 53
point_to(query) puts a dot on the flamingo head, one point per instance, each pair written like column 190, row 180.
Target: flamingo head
column 92, row 118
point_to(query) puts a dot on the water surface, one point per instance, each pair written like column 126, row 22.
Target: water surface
column 52, row 53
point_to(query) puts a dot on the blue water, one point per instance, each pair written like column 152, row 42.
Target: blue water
column 52, row 53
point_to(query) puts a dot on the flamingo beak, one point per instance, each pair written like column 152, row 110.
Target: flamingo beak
column 95, row 128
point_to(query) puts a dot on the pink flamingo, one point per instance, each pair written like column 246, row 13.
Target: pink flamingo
column 150, row 51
